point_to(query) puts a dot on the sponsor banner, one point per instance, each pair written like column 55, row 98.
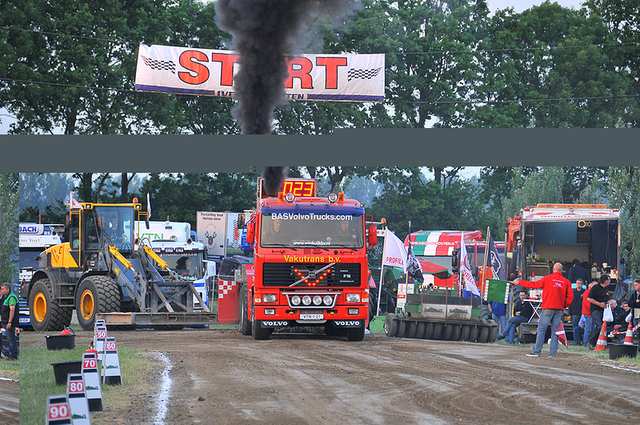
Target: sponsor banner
column 212, row 231
column 206, row 72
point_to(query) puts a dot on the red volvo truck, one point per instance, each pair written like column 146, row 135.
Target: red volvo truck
column 309, row 265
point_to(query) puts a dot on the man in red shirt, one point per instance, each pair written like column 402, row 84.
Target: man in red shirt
column 556, row 296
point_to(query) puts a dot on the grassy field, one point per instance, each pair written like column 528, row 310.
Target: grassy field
column 37, row 380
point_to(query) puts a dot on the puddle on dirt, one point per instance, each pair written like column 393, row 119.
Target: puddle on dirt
column 619, row 367
column 163, row 397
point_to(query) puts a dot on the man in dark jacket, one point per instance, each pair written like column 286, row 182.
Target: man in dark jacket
column 575, row 311
column 577, row 271
column 598, row 297
column 522, row 312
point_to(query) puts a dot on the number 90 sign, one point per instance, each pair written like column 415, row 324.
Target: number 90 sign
column 59, row 411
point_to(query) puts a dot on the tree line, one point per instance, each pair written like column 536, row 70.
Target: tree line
column 398, row 194
column 448, row 64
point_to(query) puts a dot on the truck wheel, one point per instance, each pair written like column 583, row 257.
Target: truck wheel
column 402, row 328
column 46, row 314
column 356, row 334
column 411, row 329
column 437, row 330
column 96, row 294
column 420, row 328
column 448, row 332
column 493, row 334
column 484, row 334
column 428, row 332
column 390, row 325
column 473, row 336
column 257, row 331
column 245, row 323
column 466, row 332
column 457, row 330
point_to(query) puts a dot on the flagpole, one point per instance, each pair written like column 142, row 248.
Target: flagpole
column 484, row 266
column 406, row 271
column 382, row 270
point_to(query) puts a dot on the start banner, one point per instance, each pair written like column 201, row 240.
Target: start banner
column 204, row 72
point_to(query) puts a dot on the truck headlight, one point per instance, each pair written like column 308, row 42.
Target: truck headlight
column 306, row 300
column 327, row 300
column 295, row 300
column 353, row 298
column 317, row 300
column 269, row 298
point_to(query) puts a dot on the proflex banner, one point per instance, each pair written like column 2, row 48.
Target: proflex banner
column 204, row 72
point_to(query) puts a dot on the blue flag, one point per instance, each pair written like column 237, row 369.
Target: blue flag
column 497, row 268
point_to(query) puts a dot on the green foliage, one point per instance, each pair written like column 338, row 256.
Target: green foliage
column 624, row 193
column 8, row 227
column 549, row 53
column 81, row 60
column 408, row 196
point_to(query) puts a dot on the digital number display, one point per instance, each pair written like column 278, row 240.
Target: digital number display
column 300, row 188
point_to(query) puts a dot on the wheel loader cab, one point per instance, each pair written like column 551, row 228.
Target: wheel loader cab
column 94, row 226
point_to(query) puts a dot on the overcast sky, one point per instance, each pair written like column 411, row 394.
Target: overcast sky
column 520, row 5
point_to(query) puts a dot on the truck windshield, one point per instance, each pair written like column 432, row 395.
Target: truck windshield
column 308, row 230
column 188, row 265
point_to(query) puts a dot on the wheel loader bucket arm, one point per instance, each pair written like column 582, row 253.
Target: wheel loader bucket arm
column 114, row 251
column 156, row 257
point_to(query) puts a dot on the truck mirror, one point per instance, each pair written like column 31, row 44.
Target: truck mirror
column 373, row 235
column 251, row 230
column 240, row 221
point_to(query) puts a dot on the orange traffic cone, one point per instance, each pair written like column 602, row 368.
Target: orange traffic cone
column 602, row 339
column 628, row 339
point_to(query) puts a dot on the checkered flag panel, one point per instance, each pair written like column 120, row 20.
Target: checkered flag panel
column 362, row 74
column 159, row 65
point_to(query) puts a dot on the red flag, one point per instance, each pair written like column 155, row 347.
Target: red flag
column 562, row 336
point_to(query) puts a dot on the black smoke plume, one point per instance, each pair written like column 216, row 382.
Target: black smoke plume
column 264, row 32
column 273, row 179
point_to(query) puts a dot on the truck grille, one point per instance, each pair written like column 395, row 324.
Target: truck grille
column 285, row 274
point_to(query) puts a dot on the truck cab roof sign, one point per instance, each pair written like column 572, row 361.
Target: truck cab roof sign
column 313, row 209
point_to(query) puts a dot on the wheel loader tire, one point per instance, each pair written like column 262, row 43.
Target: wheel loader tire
column 493, row 334
column 390, row 325
column 466, row 332
column 483, row 337
column 96, row 294
column 245, row 323
column 473, row 336
column 46, row 314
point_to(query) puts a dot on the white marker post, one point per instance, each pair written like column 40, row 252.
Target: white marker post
column 100, row 336
column 78, row 403
column 58, row 410
column 111, row 364
column 92, row 381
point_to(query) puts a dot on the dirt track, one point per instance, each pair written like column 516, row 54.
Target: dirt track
column 224, row 377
